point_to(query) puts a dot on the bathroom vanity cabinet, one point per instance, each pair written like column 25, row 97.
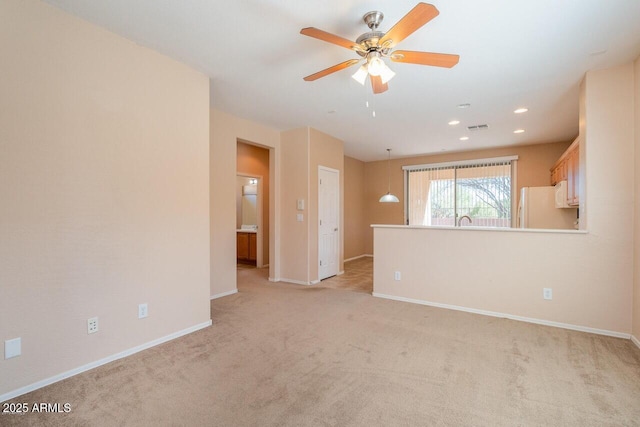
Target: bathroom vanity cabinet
column 247, row 247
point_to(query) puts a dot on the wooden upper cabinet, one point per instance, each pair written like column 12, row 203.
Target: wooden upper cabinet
column 567, row 169
column 573, row 166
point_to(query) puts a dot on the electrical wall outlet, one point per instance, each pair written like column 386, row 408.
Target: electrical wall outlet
column 92, row 325
column 397, row 275
column 547, row 293
column 12, row 348
column 143, row 311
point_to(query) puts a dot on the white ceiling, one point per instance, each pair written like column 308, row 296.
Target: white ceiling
column 512, row 53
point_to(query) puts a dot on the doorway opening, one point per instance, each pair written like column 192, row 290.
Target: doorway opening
column 248, row 220
column 252, row 205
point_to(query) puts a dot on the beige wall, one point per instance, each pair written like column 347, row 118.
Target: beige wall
column 505, row 272
column 327, row 151
column 240, row 182
column 609, row 173
column 104, row 193
column 534, row 163
column 356, row 230
column 225, row 132
column 293, row 154
column 636, row 216
column 254, row 161
column 303, row 150
column 591, row 274
column 294, row 185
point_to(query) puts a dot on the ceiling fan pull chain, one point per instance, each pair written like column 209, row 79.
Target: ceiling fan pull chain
column 372, row 105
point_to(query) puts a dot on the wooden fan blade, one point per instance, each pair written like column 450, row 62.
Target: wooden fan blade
column 330, row 70
column 331, row 38
column 425, row 58
column 416, row 18
column 377, row 85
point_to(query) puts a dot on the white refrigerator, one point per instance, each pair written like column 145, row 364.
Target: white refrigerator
column 537, row 209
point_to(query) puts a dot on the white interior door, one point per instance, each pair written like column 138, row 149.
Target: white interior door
column 329, row 222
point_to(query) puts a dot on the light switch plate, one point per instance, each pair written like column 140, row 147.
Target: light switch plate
column 12, row 348
column 300, row 204
column 300, row 217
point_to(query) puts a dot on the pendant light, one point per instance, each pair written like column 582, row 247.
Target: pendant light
column 389, row 198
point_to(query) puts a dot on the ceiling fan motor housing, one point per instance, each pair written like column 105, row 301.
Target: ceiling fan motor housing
column 373, row 19
column 369, row 41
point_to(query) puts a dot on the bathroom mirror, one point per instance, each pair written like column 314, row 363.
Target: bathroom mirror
column 246, row 203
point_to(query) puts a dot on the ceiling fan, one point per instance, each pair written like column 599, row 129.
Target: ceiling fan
column 375, row 45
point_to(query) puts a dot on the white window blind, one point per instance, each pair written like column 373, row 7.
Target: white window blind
column 477, row 193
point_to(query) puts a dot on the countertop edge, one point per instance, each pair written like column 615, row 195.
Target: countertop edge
column 498, row 229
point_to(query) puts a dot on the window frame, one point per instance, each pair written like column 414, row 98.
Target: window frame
column 513, row 160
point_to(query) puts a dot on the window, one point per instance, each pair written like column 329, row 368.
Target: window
column 476, row 193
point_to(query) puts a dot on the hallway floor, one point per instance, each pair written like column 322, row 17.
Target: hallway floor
column 357, row 277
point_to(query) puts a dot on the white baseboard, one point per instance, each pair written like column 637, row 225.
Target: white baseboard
column 358, row 257
column 635, row 341
column 340, row 273
column 299, row 282
column 295, row 282
column 508, row 316
column 224, row 294
column 104, row 361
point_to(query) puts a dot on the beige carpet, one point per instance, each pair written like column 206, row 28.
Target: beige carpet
column 290, row 355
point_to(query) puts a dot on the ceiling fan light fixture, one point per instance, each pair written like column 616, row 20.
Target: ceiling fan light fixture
column 375, row 65
column 386, row 74
column 361, row 75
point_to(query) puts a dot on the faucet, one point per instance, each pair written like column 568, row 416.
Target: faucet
column 462, row 217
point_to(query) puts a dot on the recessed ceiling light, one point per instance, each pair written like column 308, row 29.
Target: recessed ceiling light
column 454, row 122
column 518, row 131
column 464, row 105
column 464, row 138
column 521, row 110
